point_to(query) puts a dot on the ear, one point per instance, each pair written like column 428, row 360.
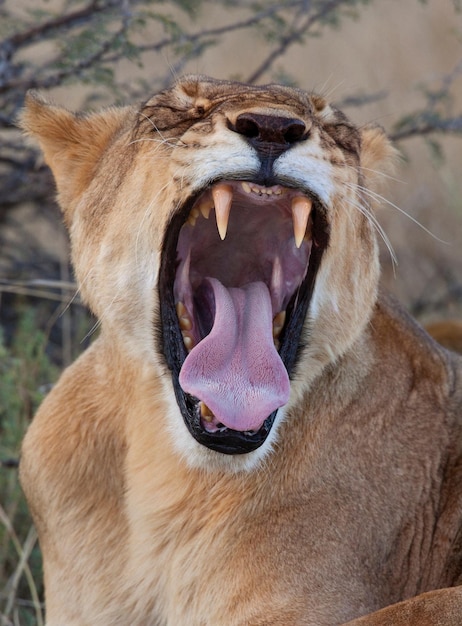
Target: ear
column 72, row 144
column 378, row 157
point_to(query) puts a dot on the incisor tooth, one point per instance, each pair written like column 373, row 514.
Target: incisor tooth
column 222, row 198
column 301, row 208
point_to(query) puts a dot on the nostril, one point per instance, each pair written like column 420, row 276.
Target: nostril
column 295, row 131
column 247, row 127
column 270, row 129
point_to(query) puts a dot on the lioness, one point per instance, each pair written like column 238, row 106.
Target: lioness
column 256, row 437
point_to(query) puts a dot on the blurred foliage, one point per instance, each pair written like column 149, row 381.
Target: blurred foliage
column 25, row 375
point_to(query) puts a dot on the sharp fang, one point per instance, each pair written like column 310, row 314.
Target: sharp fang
column 222, row 198
column 301, row 208
column 246, row 187
column 206, row 413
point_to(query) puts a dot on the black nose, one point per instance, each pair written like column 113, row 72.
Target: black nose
column 270, row 130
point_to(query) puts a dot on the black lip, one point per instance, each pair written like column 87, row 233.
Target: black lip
column 227, row 441
column 171, row 343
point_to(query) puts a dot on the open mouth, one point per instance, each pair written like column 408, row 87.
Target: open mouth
column 237, row 273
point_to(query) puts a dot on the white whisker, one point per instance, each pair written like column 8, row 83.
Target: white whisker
column 377, row 226
column 377, row 172
column 379, row 198
column 161, row 142
column 166, row 140
column 92, row 330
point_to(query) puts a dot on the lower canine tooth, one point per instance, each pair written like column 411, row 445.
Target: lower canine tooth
column 278, row 323
column 206, row 413
column 301, row 208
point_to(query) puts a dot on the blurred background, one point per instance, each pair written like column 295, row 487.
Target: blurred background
column 397, row 63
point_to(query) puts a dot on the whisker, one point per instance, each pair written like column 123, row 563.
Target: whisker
column 377, row 226
column 379, row 198
column 161, row 142
column 159, row 132
column 382, row 174
column 92, row 330
column 377, row 172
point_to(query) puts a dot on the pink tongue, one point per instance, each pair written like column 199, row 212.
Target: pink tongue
column 236, row 369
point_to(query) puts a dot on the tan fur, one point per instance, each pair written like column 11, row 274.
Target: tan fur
column 355, row 503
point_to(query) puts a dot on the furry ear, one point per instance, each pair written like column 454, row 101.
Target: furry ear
column 72, row 144
column 378, row 157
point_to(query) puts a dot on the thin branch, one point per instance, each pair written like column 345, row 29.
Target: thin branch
column 32, row 293
column 23, row 567
column 56, row 79
column 29, row 36
column 294, row 36
column 361, row 99
column 419, row 127
column 212, row 32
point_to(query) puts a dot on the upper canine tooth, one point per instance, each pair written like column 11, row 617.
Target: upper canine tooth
column 246, row 187
column 301, row 208
column 222, row 197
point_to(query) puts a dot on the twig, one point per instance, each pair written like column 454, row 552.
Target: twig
column 56, row 79
column 212, row 32
column 30, row 35
column 24, row 553
column 423, row 126
column 35, row 293
column 294, row 36
column 40, row 282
